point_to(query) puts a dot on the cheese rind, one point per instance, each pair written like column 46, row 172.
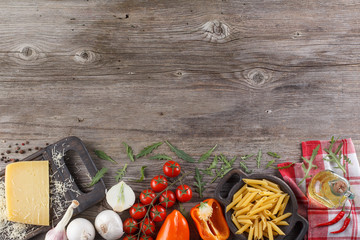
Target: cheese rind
column 27, row 192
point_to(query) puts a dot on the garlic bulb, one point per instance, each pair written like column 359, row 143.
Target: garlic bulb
column 120, row 197
column 109, row 225
column 58, row 233
column 80, row 229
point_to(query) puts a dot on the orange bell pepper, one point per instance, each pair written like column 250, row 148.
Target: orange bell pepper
column 175, row 227
column 210, row 221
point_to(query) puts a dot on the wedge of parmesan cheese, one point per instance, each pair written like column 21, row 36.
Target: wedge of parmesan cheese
column 27, row 192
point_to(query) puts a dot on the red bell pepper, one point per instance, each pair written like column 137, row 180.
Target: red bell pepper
column 210, row 221
column 175, row 227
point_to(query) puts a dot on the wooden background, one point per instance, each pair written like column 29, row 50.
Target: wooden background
column 244, row 74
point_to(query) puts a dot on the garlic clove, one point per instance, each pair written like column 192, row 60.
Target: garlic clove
column 109, row 225
column 58, row 233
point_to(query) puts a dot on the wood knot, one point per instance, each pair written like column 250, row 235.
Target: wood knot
column 216, row 31
column 86, row 56
column 296, row 34
column 28, row 53
column 257, row 76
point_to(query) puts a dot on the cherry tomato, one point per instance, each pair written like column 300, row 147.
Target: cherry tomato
column 158, row 213
column 137, row 211
column 167, row 199
column 158, row 183
column 130, row 226
column 143, row 237
column 147, row 227
column 147, row 196
column 183, row 193
column 171, row 169
column 130, row 237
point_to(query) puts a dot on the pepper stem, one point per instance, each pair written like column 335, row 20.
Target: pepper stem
column 348, row 216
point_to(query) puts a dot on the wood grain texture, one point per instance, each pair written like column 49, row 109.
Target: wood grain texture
column 242, row 74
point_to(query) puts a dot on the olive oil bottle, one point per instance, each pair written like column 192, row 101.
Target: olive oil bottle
column 329, row 189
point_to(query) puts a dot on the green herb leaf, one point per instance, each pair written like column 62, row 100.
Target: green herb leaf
column 211, row 167
column 225, row 167
column 121, row 173
column 258, row 158
column 160, row 157
column 246, row 156
column 273, row 154
column 129, row 151
column 180, row 153
column 104, row 156
column 284, row 167
column 147, row 150
column 200, row 184
column 142, row 173
column 310, row 162
column 98, row 176
column 269, row 163
column 337, row 155
column 206, row 155
column 245, row 167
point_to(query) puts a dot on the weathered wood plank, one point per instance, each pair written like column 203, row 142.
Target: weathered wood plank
column 242, row 74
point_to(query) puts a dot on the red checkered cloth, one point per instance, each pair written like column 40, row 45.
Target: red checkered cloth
column 312, row 211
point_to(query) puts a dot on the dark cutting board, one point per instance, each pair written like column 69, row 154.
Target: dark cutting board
column 60, row 172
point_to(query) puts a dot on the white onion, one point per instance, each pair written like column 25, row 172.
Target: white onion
column 109, row 225
column 120, row 197
column 80, row 229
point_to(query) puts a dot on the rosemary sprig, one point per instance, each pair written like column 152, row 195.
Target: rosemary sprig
column 270, row 163
column 142, row 174
column 129, row 151
column 147, row 150
column 258, row 158
column 206, row 155
column 245, row 167
column 245, row 157
column 336, row 156
column 226, row 167
column 160, row 157
column 273, row 154
column 98, row 176
column 310, row 163
column 104, row 156
column 121, row 173
column 180, row 153
column 212, row 166
column 284, row 167
column 199, row 183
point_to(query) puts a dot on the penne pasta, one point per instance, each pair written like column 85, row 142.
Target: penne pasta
column 233, row 203
column 276, row 228
column 255, row 181
column 278, row 204
column 271, row 184
column 240, row 191
column 269, row 231
column 251, row 233
column 244, row 210
column 236, row 223
column 259, row 207
column 243, row 228
column 283, row 205
column 282, row 217
column 282, row 223
column 249, row 199
column 256, row 228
